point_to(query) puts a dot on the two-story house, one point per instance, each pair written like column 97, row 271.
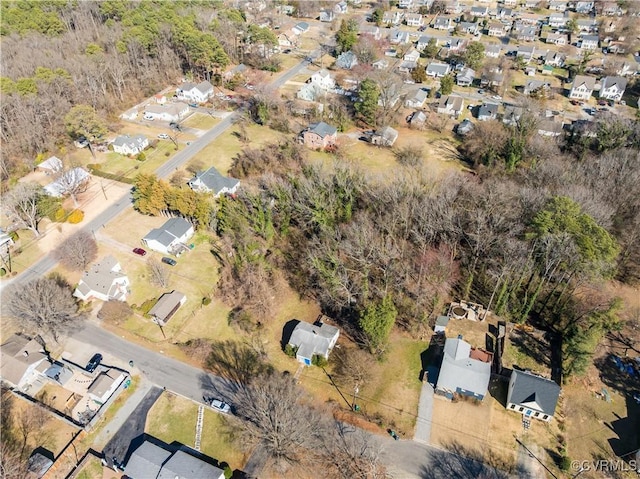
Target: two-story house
column 198, row 93
column 612, row 88
column 126, row 145
column 443, row 23
column 319, row 136
column 323, row 80
column 438, row 70
column 589, row 42
column 582, row 87
column 451, row 105
column 414, row 20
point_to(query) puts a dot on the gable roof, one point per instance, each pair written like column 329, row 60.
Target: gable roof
column 459, row 370
column 53, row 164
column 435, row 67
column 322, row 129
column 536, row 391
column 167, row 305
column 17, row 355
column 488, row 109
column 146, row 461
column 123, row 140
column 214, row 181
column 185, row 466
column 100, row 276
column 70, row 178
column 311, row 339
column 619, row 82
column 204, row 86
column 173, row 229
column 588, row 82
column 102, row 383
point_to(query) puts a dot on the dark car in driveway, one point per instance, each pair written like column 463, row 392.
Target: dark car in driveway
column 94, row 362
column 139, row 251
column 169, row 261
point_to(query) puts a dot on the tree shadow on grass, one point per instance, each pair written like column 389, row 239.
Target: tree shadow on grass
column 460, row 461
column 531, row 346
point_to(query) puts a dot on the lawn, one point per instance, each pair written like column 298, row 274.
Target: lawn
column 92, row 469
column 121, row 165
column 173, row 418
column 201, row 121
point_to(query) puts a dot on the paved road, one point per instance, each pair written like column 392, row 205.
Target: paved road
column 135, row 417
column 47, row 263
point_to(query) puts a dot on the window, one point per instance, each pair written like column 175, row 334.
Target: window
column 513, row 406
column 520, row 409
column 545, row 416
column 536, row 414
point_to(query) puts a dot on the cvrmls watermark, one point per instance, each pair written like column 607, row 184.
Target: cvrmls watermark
column 606, row 465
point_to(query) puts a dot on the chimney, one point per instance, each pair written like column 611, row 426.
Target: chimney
column 25, row 354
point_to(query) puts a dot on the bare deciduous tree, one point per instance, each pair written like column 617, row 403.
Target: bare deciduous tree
column 44, row 305
column 352, row 367
column 73, row 181
column 77, row 251
column 115, row 311
column 21, row 206
column 353, row 453
column 409, row 155
column 158, row 274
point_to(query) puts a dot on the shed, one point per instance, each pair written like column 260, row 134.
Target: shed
column 166, row 307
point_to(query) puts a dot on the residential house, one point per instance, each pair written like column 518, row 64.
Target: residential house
column 443, row 23
column 582, row 87
column 211, row 181
column 173, row 112
column 504, row 13
column 479, row 11
column 414, row 20
column 471, row 28
column 320, row 136
column 155, row 459
column 453, row 7
column 589, row 42
column 309, row 92
column 386, row 136
column 237, row 71
column 327, row 16
column 380, row 64
column 407, row 66
column 617, row 48
column 554, row 59
column 423, row 41
column 126, row 145
column 510, row 3
column 557, row 39
column 405, row 4
column 587, row 25
column 456, row 44
column 558, row 5
column 529, row 19
column 464, row 370
column 549, row 127
column 171, row 237
column 493, row 51
column 311, row 340
column 438, row 70
column 558, row 20
column 496, row 29
column 612, row 88
column 465, row 77
column 609, row 9
column 412, row 55
column 130, row 114
column 20, row 357
column 392, row 17
column 526, row 52
column 451, row 105
column 68, row 181
column 323, row 80
column 417, row 119
column 584, row 7
column 104, row 280
column 300, row 28
column 341, row 8
column 533, row 86
column 160, row 98
column 416, row 99
column 50, row 166
column 195, row 93
column 532, row 396
column 512, row 114
column 287, row 39
column 372, row 30
column 105, row 384
column 488, row 111
column 168, row 304
column 527, row 34
column 399, row 37
column 531, row 3
column 346, row 60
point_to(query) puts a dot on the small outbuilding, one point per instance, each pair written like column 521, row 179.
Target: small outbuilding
column 166, row 307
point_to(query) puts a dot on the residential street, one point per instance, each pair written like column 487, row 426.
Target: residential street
column 47, row 263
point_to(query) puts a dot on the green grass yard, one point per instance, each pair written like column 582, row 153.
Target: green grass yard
column 200, row 121
column 121, row 165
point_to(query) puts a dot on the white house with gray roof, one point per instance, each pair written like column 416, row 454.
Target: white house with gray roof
column 211, row 181
column 126, row 145
column 171, row 112
column 532, row 396
column 437, row 70
column 582, row 87
column 198, row 93
column 313, row 340
column 171, row 237
column 104, row 280
column 464, row 370
column 612, row 88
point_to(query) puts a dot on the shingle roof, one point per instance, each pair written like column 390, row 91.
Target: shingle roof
column 169, row 232
column 608, row 82
column 311, row 339
column 146, row 461
column 16, row 355
column 137, row 140
column 529, row 388
column 204, row 87
column 185, row 466
column 322, row 129
column 214, row 181
column 101, row 275
column 589, row 82
column 458, row 370
column 488, row 109
column 166, row 305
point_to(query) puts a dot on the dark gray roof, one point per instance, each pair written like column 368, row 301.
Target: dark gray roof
column 169, row 232
column 214, row 181
column 529, row 388
column 608, row 82
column 488, row 109
column 322, row 129
column 146, row 461
column 204, row 86
column 185, row 466
column 442, row 68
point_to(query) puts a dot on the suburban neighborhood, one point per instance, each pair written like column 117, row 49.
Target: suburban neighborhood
column 256, row 239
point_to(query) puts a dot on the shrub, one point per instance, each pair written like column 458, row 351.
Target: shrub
column 565, row 463
column 147, row 305
column 14, row 236
column 318, row 360
column 75, row 217
column 3, row 271
column 242, row 320
column 59, row 216
column 94, row 166
column 166, row 153
column 115, row 311
column 141, row 156
column 290, row 350
column 206, row 301
column 228, row 472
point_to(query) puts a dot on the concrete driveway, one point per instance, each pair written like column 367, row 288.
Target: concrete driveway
column 425, row 412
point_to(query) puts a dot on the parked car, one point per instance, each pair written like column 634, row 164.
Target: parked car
column 175, row 126
column 139, row 251
column 169, row 261
column 94, row 362
column 220, row 406
column 163, row 136
column 496, row 97
column 148, row 117
column 193, row 105
column 481, row 91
